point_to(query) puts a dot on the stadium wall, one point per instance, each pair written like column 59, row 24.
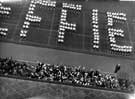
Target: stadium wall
column 24, row 89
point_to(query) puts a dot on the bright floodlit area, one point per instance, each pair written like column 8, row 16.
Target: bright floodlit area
column 127, row 0
column 132, row 96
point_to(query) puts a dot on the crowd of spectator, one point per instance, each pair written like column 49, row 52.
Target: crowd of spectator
column 75, row 75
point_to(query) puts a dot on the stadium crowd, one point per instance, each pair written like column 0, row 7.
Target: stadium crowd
column 75, row 75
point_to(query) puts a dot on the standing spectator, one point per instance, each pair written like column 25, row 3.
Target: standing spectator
column 117, row 68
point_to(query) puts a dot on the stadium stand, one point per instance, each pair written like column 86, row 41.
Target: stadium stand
column 64, row 74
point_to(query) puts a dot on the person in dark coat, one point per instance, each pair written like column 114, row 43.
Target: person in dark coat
column 117, row 68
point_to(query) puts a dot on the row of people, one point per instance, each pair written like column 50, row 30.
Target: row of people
column 63, row 74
